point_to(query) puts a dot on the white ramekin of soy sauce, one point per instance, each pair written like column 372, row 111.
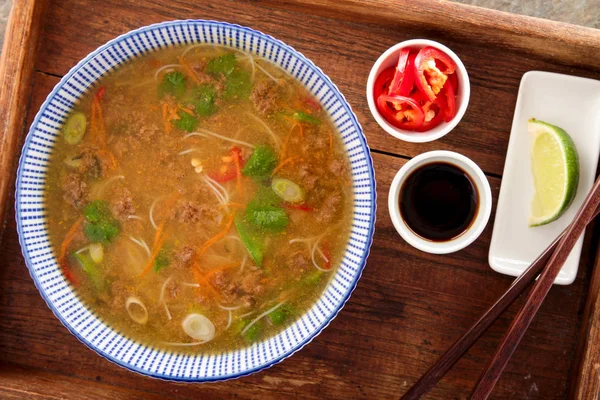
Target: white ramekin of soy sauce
column 440, row 202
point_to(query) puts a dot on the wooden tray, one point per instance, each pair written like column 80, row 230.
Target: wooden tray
column 409, row 306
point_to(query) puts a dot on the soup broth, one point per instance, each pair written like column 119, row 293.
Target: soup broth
column 199, row 199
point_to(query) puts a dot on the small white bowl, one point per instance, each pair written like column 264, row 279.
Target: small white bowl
column 483, row 212
column 390, row 59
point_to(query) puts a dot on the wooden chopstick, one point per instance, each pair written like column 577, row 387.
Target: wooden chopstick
column 464, row 343
column 541, row 287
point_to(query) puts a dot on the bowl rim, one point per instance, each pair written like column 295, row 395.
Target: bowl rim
column 438, row 131
column 370, row 170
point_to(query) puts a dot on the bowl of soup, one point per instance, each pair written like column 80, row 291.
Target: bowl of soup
column 195, row 201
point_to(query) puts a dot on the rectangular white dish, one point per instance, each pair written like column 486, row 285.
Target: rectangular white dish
column 572, row 103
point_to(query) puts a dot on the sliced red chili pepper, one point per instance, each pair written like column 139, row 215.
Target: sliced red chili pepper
column 382, row 83
column 400, row 111
column 450, row 111
column 404, row 80
column 230, row 171
column 312, row 104
column 399, row 72
column 100, row 93
column 439, row 108
column 301, row 207
column 432, row 68
column 453, row 79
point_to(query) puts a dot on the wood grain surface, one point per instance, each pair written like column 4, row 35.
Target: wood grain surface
column 16, row 71
column 409, row 306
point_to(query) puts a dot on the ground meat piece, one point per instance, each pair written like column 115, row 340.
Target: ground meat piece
column 299, row 261
column 308, row 177
column 183, row 257
column 238, row 288
column 172, row 290
column 91, row 163
column 265, row 96
column 147, row 132
column 330, row 207
column 337, row 167
column 75, row 190
column 123, row 206
column 250, row 283
column 119, row 293
column 199, row 68
column 190, row 212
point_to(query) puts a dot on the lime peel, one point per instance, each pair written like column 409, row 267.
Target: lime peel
column 555, row 168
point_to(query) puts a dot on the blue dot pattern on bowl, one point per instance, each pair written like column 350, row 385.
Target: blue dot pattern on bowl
column 40, row 256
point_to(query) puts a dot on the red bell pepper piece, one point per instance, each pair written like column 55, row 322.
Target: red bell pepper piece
column 400, row 111
column 230, row 171
column 404, row 78
column 432, row 68
column 382, row 83
column 301, row 207
column 100, row 93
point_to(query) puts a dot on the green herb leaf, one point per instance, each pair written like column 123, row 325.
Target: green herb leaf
column 224, row 64
column 304, row 117
column 204, row 99
column 266, row 217
column 172, row 83
column 261, row 163
column 252, row 334
column 251, row 240
column 185, row 122
column 97, row 210
column 280, row 316
column 237, row 85
column 103, row 231
column 162, row 260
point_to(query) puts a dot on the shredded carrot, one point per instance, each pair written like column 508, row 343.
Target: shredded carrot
column 203, row 282
column 215, row 238
column 283, row 163
column 68, row 239
column 185, row 110
column 100, row 136
column 155, row 251
column 64, row 247
column 165, row 109
column 189, row 70
column 288, row 138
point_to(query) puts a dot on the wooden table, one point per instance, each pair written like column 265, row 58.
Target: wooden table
column 409, row 306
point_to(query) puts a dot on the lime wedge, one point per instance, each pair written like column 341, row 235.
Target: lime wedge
column 555, row 168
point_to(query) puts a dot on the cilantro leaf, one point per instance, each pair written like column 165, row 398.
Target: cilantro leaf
column 224, row 64
column 96, row 210
column 261, row 163
column 204, row 99
column 237, row 85
column 186, row 122
column 162, row 260
column 102, row 231
column 172, row 83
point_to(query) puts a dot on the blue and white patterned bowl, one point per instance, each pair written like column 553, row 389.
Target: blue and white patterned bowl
column 41, row 259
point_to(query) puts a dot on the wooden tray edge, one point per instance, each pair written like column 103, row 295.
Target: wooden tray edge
column 517, row 32
column 16, row 72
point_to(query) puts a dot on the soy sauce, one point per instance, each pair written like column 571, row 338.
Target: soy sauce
column 438, row 201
